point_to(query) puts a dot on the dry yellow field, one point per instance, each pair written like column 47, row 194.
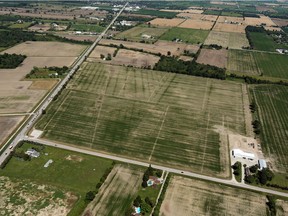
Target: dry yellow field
column 228, row 19
column 118, row 190
column 213, row 57
column 231, row 40
column 197, row 24
column 102, row 50
column 159, row 47
column 133, row 58
column 282, row 207
column 227, row 27
column 253, row 21
column 188, row 197
column 46, row 49
column 7, row 125
column 42, row 84
column 167, row 22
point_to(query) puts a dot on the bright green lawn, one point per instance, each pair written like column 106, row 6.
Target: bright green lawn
column 78, row 177
column 186, row 35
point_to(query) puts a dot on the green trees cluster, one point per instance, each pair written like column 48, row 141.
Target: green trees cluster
column 260, row 176
column 256, row 126
column 11, row 60
column 237, row 170
column 271, row 205
column 172, row 64
column 147, row 173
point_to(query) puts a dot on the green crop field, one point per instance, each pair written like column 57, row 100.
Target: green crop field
column 229, row 13
column 274, row 65
column 80, row 173
column 86, row 27
column 272, row 106
column 152, row 116
column 157, row 13
column 256, row 63
column 137, row 33
column 186, row 35
column 242, row 61
column 263, row 41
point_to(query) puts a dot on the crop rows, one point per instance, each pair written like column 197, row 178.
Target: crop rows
column 147, row 115
column 272, row 105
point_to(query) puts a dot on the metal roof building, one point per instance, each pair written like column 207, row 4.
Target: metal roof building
column 262, row 164
column 241, row 154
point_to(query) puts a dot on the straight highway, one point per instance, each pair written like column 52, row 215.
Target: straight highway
column 24, row 128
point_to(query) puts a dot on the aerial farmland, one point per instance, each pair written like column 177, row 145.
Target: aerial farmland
column 143, row 108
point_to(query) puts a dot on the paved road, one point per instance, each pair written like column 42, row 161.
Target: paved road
column 168, row 169
column 21, row 132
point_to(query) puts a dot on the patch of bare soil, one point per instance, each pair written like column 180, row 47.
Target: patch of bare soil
column 74, row 158
column 26, row 198
column 213, row 57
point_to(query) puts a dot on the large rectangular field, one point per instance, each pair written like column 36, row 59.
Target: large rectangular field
column 187, row 197
column 232, row 40
column 213, row 57
column 152, row 116
column 267, row 64
column 185, row 35
column 274, row 65
column 117, row 193
column 262, row 41
column 197, row 24
column 272, row 106
column 140, row 33
column 242, row 61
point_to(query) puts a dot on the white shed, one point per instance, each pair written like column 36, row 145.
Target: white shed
column 262, row 164
column 241, row 154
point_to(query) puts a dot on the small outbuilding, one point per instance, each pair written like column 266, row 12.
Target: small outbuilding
column 32, row 153
column 241, row 154
column 262, row 164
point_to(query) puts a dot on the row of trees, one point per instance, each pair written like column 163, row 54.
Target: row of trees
column 90, row 195
column 172, row 64
column 11, row 60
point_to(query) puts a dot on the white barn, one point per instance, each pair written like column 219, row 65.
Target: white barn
column 262, row 164
column 241, row 154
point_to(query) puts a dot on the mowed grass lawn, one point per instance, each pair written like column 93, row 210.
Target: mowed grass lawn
column 78, row 175
column 262, row 41
column 193, row 36
column 147, row 115
column 272, row 105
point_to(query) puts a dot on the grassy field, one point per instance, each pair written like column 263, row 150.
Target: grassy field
column 232, row 40
column 86, row 27
column 20, row 25
column 256, row 63
column 117, row 193
column 204, row 198
column 272, row 106
column 157, row 13
column 135, row 34
column 242, row 61
column 78, row 173
column 263, row 41
column 274, row 65
column 186, row 35
column 147, row 115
